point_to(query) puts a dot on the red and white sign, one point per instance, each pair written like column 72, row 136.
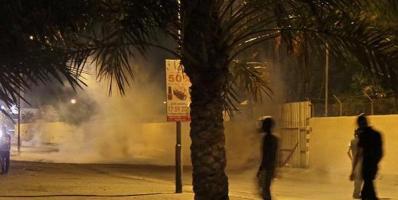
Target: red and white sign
column 177, row 88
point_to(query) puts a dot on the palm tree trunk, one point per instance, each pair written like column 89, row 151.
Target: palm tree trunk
column 207, row 149
column 205, row 63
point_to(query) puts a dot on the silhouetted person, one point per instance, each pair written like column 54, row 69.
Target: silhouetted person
column 266, row 171
column 370, row 148
column 352, row 153
column 5, row 146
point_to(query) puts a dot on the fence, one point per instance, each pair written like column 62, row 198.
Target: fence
column 294, row 133
column 354, row 105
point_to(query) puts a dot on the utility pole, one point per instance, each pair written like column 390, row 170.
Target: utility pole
column 326, row 78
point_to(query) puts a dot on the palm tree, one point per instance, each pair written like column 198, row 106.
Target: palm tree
column 212, row 35
column 26, row 56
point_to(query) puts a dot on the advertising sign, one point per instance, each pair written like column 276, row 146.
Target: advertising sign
column 177, row 88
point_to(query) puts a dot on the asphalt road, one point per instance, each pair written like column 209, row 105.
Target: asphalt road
column 35, row 180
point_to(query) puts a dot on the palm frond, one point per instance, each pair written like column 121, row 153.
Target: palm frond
column 67, row 34
column 344, row 24
column 27, row 30
column 124, row 30
column 246, row 80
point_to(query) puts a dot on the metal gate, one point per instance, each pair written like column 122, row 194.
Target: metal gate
column 295, row 134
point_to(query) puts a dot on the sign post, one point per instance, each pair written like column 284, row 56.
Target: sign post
column 178, row 100
column 178, row 159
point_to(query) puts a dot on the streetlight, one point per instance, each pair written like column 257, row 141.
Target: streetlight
column 73, row 101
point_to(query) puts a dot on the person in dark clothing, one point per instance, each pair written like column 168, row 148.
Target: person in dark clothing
column 266, row 171
column 371, row 150
column 5, row 145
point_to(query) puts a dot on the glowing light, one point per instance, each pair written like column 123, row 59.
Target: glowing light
column 31, row 37
column 14, row 109
column 73, row 101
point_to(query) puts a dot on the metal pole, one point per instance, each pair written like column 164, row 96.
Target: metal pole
column 19, row 122
column 340, row 104
column 326, row 78
column 371, row 104
column 178, row 160
column 178, row 123
column 372, row 108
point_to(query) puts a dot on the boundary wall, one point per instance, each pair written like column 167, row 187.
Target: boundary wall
column 330, row 137
column 146, row 143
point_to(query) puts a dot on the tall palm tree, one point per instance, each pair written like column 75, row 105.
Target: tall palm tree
column 212, row 35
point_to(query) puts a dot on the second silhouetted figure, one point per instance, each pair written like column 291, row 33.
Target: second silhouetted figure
column 266, row 171
column 371, row 150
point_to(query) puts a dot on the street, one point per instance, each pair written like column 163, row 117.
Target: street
column 34, row 180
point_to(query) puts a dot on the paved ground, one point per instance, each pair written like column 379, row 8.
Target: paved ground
column 34, row 180
column 46, row 180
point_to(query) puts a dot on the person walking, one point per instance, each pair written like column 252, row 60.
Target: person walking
column 370, row 148
column 352, row 152
column 266, row 172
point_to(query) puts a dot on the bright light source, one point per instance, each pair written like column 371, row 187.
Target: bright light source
column 14, row 109
column 31, row 37
column 73, row 101
column 164, row 102
column 3, row 107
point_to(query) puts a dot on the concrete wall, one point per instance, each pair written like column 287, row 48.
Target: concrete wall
column 330, row 137
column 151, row 143
column 242, row 142
column 154, row 143
column 41, row 132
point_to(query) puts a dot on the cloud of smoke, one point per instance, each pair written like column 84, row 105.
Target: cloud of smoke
column 114, row 129
column 104, row 128
column 243, row 138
